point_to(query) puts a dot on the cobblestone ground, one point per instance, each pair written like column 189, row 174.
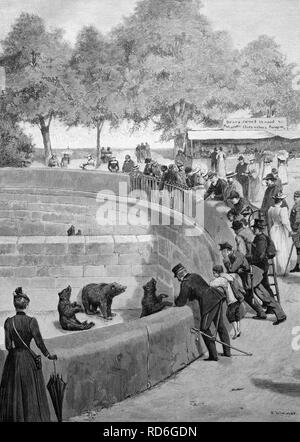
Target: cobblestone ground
column 264, row 387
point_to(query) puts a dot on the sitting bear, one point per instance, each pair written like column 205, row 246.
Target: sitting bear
column 67, row 312
column 151, row 303
column 100, row 296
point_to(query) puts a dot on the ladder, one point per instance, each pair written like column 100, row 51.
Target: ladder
column 273, row 279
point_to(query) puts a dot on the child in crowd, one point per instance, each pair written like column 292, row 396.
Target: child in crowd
column 234, row 294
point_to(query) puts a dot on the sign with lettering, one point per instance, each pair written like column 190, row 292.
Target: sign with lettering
column 255, row 124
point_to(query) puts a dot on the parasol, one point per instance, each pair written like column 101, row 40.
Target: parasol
column 56, row 387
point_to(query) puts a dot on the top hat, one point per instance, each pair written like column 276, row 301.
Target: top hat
column 237, row 225
column 225, row 246
column 18, row 293
column 177, row 269
column 270, row 177
column 230, row 175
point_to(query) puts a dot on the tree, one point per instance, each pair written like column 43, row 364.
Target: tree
column 15, row 146
column 266, row 81
column 95, row 63
column 178, row 69
column 38, row 80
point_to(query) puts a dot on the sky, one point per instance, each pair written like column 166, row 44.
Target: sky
column 245, row 20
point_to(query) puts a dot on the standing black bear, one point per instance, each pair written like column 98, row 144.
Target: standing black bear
column 151, row 303
column 100, row 296
column 67, row 312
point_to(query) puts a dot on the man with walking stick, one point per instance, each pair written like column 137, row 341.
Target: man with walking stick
column 194, row 287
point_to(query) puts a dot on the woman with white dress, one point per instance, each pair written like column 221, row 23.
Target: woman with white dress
column 282, row 158
column 221, row 164
column 280, row 233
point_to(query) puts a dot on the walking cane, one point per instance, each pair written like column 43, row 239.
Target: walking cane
column 288, row 263
column 195, row 330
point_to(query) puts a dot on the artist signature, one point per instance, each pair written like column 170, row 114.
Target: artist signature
column 284, row 413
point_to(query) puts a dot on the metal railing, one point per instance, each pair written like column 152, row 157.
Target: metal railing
column 176, row 197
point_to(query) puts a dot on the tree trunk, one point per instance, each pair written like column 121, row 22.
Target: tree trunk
column 45, row 130
column 99, row 127
column 178, row 143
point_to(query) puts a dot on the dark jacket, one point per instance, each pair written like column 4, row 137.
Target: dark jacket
column 240, row 206
column 113, row 166
column 269, row 201
column 259, row 251
column 238, row 263
column 242, row 173
column 128, row 166
column 194, row 287
column 217, row 189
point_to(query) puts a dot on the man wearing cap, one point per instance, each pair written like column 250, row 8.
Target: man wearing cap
column 233, row 185
column 271, row 191
column 242, row 173
column 295, row 225
column 244, row 238
column 194, row 287
column 216, row 188
column 251, row 276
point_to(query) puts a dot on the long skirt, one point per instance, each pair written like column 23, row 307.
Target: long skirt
column 283, row 174
column 221, row 168
column 283, row 244
column 23, row 395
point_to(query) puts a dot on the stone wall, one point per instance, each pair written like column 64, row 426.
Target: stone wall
column 105, row 366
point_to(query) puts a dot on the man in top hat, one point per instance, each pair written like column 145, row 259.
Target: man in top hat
column 244, row 237
column 251, row 276
column 194, row 287
column 295, row 225
column 216, row 188
column 233, row 185
column 242, row 173
column 271, row 191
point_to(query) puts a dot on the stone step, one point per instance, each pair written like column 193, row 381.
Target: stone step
column 77, row 245
column 10, row 227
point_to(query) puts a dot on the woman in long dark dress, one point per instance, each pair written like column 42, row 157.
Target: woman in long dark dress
column 22, row 391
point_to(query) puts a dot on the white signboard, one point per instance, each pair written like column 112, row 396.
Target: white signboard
column 255, row 124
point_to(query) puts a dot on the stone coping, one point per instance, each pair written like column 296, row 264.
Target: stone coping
column 105, row 239
column 107, row 365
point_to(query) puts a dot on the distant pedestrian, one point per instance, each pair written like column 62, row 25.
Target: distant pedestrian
column 255, row 184
column 242, row 173
column 232, row 185
column 214, row 161
column 221, row 163
column 271, row 191
column 282, row 158
column 278, row 181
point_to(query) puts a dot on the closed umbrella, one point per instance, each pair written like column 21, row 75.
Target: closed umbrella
column 56, row 387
